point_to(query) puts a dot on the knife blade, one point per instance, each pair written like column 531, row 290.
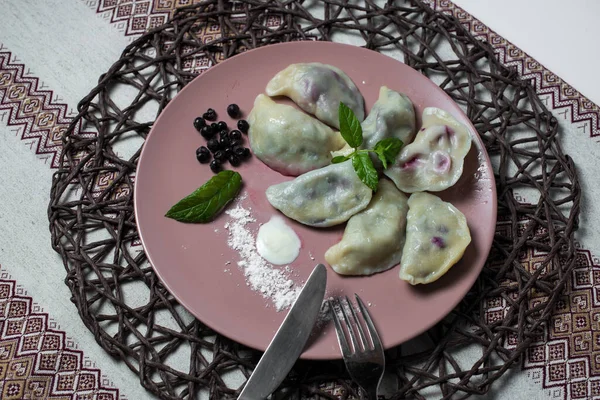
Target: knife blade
column 290, row 339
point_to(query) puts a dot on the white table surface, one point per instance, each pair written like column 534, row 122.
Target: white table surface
column 561, row 35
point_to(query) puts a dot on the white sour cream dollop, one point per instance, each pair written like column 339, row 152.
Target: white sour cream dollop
column 276, row 242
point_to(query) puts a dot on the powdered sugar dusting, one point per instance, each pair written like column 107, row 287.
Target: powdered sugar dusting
column 273, row 283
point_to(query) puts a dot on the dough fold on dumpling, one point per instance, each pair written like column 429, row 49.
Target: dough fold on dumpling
column 392, row 116
column 434, row 161
column 318, row 89
column 324, row 197
column 288, row 140
column 373, row 238
column 436, row 238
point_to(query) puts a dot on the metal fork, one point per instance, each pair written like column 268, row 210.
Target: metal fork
column 364, row 360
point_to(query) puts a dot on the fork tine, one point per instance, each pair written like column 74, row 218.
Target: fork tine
column 361, row 332
column 370, row 325
column 349, row 323
column 338, row 327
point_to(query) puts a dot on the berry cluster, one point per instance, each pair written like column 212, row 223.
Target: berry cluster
column 222, row 145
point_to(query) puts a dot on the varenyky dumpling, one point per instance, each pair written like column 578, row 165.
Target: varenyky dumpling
column 392, row 115
column 324, row 197
column 436, row 238
column 374, row 238
column 288, row 140
column 318, row 89
column 434, row 161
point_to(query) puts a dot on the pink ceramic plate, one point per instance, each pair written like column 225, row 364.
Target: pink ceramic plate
column 191, row 259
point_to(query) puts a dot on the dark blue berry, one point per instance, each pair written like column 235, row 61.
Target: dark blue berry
column 238, row 151
column 222, row 125
column 235, row 135
column 199, row 123
column 234, row 160
column 210, row 115
column 233, row 110
column 213, row 145
column 224, row 142
column 241, row 152
column 207, row 132
column 215, row 166
column 243, row 125
column 220, row 155
column 202, row 154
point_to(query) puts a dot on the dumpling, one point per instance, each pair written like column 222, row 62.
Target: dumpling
column 434, row 161
column 392, row 115
column 374, row 238
column 318, row 89
column 324, row 197
column 436, row 238
column 288, row 140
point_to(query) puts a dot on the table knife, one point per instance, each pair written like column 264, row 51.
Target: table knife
column 290, row 339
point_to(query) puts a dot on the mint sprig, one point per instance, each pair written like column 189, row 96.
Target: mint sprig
column 386, row 149
column 208, row 200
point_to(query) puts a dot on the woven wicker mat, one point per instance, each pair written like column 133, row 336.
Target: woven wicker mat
column 93, row 227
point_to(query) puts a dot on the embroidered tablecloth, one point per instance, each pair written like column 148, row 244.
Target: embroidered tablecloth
column 45, row 349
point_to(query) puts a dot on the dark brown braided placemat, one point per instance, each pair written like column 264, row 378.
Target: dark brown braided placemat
column 93, row 226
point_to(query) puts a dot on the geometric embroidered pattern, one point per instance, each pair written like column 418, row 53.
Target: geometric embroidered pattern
column 134, row 17
column 576, row 107
column 568, row 350
column 36, row 115
column 33, row 111
column 39, row 362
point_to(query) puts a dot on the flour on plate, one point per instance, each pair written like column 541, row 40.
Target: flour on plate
column 273, row 283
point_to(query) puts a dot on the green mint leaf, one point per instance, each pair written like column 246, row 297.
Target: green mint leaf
column 387, row 150
column 350, row 128
column 339, row 159
column 208, row 200
column 382, row 158
column 363, row 165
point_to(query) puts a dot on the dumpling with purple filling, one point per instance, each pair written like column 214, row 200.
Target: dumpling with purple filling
column 288, row 140
column 318, row 89
column 324, row 197
column 436, row 238
column 373, row 238
column 434, row 160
